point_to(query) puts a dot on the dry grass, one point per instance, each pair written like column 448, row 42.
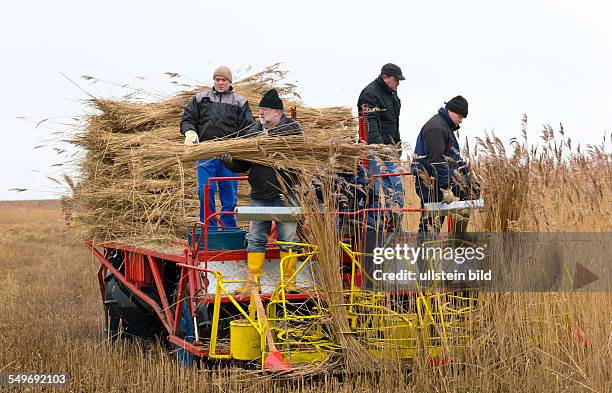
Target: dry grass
column 546, row 185
column 527, row 342
column 52, row 321
column 322, row 231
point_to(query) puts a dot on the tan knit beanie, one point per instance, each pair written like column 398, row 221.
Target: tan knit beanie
column 224, row 72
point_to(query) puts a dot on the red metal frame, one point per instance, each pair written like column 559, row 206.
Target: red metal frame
column 363, row 138
column 136, row 289
column 206, row 194
column 144, row 267
column 449, row 217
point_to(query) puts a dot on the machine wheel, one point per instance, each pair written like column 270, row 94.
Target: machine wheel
column 127, row 316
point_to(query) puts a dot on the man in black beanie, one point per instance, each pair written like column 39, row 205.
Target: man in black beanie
column 440, row 172
column 266, row 191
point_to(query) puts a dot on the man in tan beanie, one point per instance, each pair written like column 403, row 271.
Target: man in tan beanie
column 214, row 114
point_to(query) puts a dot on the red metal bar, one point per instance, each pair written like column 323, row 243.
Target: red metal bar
column 198, row 268
column 160, row 289
column 179, row 301
column 192, row 259
column 363, row 138
column 234, row 255
column 392, row 174
column 363, row 135
column 206, row 195
column 130, row 248
column 206, row 199
column 101, row 272
column 132, row 287
column 450, row 221
column 192, row 278
column 217, row 178
column 196, row 350
column 204, row 234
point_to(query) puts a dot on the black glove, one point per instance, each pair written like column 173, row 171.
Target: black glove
column 226, row 159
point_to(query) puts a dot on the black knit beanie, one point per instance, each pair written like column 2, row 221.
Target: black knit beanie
column 271, row 100
column 458, row 105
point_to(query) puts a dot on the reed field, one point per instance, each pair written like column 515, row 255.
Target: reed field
column 52, row 316
column 51, row 313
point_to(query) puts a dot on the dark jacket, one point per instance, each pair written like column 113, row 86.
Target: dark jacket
column 263, row 180
column 382, row 126
column 436, row 140
column 354, row 191
column 216, row 115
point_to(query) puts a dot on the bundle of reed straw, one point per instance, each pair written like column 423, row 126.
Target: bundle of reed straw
column 138, row 180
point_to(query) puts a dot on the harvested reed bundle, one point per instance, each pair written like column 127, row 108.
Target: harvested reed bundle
column 137, row 179
column 291, row 152
column 132, row 115
column 254, row 86
column 320, row 227
column 130, row 213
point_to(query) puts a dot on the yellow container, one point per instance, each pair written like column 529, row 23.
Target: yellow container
column 245, row 341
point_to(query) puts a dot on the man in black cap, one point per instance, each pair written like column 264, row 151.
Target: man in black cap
column 380, row 106
column 440, row 172
column 266, row 191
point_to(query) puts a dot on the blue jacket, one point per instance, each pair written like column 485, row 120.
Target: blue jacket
column 436, row 140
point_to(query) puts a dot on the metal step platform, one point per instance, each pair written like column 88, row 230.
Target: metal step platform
column 442, row 208
column 256, row 213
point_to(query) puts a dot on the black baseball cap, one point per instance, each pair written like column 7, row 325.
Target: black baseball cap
column 392, row 70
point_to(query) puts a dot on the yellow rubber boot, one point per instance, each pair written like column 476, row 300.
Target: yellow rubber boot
column 255, row 264
column 289, row 268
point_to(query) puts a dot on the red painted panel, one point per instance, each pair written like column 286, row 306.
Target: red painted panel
column 137, row 270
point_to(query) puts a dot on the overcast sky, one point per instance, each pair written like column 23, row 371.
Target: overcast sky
column 549, row 59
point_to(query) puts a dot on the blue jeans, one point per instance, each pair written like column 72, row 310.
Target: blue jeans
column 228, row 192
column 258, row 234
column 392, row 185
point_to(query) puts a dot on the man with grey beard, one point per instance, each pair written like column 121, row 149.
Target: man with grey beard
column 266, row 191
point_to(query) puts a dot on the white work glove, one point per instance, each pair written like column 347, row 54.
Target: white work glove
column 191, row 137
column 447, row 195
